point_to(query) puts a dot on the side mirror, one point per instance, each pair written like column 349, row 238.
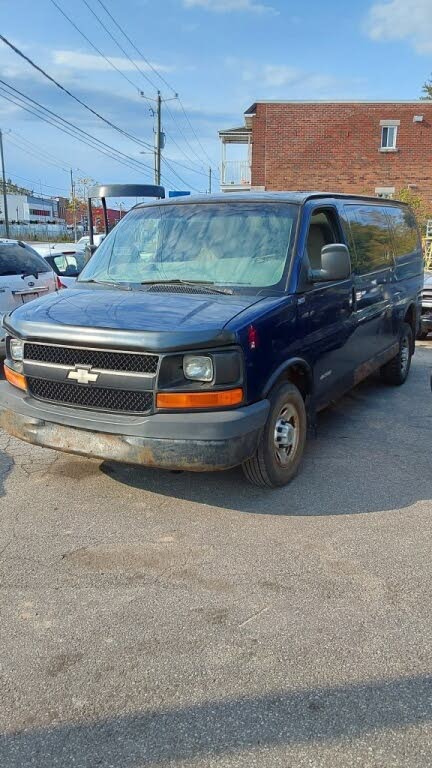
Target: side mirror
column 88, row 252
column 335, row 264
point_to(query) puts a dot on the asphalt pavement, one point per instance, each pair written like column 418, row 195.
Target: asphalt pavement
column 156, row 619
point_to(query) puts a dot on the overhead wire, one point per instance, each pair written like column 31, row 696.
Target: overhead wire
column 69, row 93
column 22, row 100
column 151, row 66
column 70, row 128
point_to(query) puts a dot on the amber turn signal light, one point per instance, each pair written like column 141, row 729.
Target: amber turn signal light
column 17, row 379
column 187, row 400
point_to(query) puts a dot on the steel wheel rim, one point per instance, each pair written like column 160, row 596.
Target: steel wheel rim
column 286, row 434
column 404, row 354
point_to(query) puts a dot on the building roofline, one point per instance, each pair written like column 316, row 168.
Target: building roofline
column 419, row 102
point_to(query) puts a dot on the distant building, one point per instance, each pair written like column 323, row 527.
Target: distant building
column 81, row 216
column 113, row 215
column 31, row 209
column 369, row 147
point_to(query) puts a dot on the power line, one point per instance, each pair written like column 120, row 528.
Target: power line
column 125, row 53
column 95, row 48
column 193, row 130
column 37, row 182
column 67, row 127
column 140, row 54
column 33, row 154
column 69, row 93
column 43, row 152
column 179, row 177
column 134, row 85
column 70, row 129
column 149, row 64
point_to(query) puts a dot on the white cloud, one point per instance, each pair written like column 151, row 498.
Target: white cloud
column 402, row 20
column 92, row 62
column 228, row 6
column 280, row 78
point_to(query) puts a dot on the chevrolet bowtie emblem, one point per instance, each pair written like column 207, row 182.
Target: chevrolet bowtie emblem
column 83, row 375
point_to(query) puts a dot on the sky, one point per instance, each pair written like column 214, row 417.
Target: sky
column 219, row 56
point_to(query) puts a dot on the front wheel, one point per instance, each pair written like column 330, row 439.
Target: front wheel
column 280, row 450
column 396, row 371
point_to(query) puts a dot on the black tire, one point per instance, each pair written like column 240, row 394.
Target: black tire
column 280, row 450
column 396, row 371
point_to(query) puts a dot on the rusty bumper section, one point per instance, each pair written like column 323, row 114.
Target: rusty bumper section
column 203, row 446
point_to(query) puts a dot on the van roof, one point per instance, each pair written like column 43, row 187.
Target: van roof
column 289, row 197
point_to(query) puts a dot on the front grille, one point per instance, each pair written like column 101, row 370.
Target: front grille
column 96, row 358
column 90, row 397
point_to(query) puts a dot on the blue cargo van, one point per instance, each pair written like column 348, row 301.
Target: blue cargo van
column 207, row 332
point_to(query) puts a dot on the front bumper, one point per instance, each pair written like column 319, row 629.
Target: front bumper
column 426, row 322
column 190, row 441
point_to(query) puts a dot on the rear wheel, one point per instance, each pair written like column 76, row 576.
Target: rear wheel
column 396, row 371
column 280, row 450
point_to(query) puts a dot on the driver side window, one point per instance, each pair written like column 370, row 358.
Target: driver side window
column 322, row 231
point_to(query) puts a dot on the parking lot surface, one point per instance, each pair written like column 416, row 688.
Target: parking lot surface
column 156, row 619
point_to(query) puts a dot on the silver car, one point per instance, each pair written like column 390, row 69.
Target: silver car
column 426, row 310
column 24, row 275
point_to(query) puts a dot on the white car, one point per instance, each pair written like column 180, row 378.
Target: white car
column 85, row 240
column 66, row 259
column 24, row 275
column 67, row 264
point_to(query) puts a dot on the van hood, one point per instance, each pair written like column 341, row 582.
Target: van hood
column 130, row 319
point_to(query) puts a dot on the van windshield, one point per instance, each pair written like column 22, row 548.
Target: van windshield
column 232, row 244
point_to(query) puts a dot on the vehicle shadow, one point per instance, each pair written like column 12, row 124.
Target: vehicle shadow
column 216, row 728
column 371, row 453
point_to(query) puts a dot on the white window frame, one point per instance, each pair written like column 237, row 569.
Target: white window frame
column 386, row 193
column 385, row 125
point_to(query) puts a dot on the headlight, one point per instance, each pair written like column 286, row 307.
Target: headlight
column 198, row 368
column 16, row 347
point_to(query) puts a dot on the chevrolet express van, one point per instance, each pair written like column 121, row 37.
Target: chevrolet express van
column 207, row 332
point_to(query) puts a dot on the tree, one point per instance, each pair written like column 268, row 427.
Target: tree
column 14, row 189
column 427, row 89
column 417, row 203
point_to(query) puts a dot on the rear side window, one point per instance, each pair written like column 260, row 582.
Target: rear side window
column 67, row 265
column 369, row 237
column 17, row 259
column 404, row 227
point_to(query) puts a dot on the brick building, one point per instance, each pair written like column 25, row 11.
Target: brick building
column 81, row 215
column 355, row 147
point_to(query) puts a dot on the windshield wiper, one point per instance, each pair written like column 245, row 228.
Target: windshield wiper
column 203, row 283
column 121, row 286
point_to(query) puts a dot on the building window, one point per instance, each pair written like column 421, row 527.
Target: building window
column 385, row 192
column 388, row 136
column 389, row 130
column 39, row 212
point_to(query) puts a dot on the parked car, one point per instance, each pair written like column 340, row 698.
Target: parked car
column 85, row 240
column 208, row 332
column 67, row 264
column 46, row 249
column 426, row 308
column 24, row 275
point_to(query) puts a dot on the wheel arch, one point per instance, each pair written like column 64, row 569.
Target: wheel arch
column 411, row 317
column 296, row 370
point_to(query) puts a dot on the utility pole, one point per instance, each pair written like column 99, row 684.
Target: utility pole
column 210, row 181
column 73, row 204
column 4, row 186
column 158, row 138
